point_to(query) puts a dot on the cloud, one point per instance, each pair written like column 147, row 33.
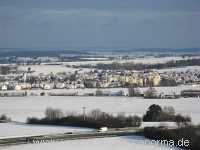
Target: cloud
column 130, row 24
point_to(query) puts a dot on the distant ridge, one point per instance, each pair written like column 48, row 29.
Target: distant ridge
column 53, row 52
column 37, row 53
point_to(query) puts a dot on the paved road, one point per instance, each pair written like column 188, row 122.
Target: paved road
column 69, row 136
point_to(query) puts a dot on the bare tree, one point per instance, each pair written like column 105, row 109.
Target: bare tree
column 121, row 116
column 150, row 93
column 169, row 110
column 53, row 114
column 95, row 113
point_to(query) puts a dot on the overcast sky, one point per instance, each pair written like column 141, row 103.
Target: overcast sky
column 100, row 23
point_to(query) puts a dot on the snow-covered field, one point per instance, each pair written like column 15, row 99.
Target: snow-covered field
column 164, row 90
column 20, row 129
column 19, row 108
column 145, row 60
column 113, row 143
column 46, row 69
column 17, row 129
column 180, row 69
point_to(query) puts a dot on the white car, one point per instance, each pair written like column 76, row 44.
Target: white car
column 103, row 129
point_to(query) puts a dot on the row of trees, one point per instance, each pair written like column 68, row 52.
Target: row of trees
column 94, row 119
column 155, row 113
column 5, row 70
column 133, row 66
column 97, row 118
column 4, row 118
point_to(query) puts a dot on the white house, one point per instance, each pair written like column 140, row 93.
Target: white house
column 46, row 87
column 4, row 87
column 18, row 87
column 60, row 85
column 26, row 86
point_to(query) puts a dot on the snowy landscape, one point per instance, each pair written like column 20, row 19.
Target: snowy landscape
column 15, row 129
column 100, row 75
column 19, row 108
column 117, row 143
column 33, row 104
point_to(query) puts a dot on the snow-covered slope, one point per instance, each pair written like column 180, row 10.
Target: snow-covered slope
column 20, row 129
column 114, row 143
column 19, row 108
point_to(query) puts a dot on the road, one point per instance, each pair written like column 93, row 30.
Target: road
column 69, row 136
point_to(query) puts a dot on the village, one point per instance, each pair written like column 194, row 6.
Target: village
column 99, row 74
column 26, row 82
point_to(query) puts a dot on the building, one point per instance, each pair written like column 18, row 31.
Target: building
column 4, row 87
column 46, row 87
column 154, row 78
column 190, row 93
column 18, row 87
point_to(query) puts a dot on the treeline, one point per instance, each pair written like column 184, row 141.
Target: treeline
column 185, row 130
column 4, row 70
column 140, row 66
column 94, row 119
column 155, row 113
column 4, row 118
column 189, row 133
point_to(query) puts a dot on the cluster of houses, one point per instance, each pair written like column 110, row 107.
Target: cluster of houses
column 93, row 79
column 114, row 79
column 183, row 77
column 45, row 86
